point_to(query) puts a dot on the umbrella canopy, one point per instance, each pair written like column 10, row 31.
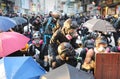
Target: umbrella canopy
column 11, row 42
column 6, row 23
column 20, row 68
column 99, row 25
column 67, row 72
column 19, row 20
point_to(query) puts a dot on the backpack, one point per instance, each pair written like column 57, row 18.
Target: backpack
column 33, row 50
column 49, row 26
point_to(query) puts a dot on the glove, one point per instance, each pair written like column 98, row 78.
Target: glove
column 78, row 58
column 89, row 66
column 86, row 66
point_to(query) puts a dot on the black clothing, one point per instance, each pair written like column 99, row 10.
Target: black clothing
column 42, row 49
column 60, row 62
column 36, row 25
column 83, row 53
column 16, row 53
column 115, row 49
column 57, row 38
column 43, row 52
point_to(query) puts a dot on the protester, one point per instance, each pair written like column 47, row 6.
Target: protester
column 66, row 34
column 100, row 47
column 89, row 44
column 116, row 48
column 50, row 24
column 38, row 50
column 66, row 54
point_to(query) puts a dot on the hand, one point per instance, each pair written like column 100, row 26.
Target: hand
column 86, row 66
column 67, row 58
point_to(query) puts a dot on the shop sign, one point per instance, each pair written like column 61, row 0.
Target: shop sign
column 109, row 1
column 115, row 1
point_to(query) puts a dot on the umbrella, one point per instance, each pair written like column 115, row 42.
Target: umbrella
column 19, row 20
column 99, row 25
column 67, row 72
column 6, row 23
column 11, row 42
column 20, row 68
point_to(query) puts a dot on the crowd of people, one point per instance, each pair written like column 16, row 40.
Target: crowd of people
column 55, row 39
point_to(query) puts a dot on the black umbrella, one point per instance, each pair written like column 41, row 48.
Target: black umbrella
column 19, row 20
column 67, row 72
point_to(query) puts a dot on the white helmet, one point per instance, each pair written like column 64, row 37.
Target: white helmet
column 36, row 35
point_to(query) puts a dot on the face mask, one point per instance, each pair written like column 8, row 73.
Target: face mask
column 101, row 49
column 37, row 42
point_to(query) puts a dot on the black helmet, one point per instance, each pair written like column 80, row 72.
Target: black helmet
column 66, row 48
column 89, row 44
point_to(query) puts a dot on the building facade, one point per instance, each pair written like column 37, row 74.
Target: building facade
column 110, row 7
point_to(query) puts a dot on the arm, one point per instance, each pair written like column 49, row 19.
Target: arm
column 87, row 62
column 89, row 55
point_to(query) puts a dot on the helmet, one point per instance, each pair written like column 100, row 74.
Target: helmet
column 66, row 48
column 36, row 35
column 89, row 43
column 69, row 27
column 100, row 40
column 70, row 24
column 55, row 14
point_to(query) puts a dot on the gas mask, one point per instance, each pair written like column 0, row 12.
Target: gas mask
column 72, row 33
column 101, row 49
column 37, row 41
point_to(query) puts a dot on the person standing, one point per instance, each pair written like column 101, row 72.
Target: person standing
column 68, row 33
column 66, row 54
column 101, row 46
column 38, row 51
